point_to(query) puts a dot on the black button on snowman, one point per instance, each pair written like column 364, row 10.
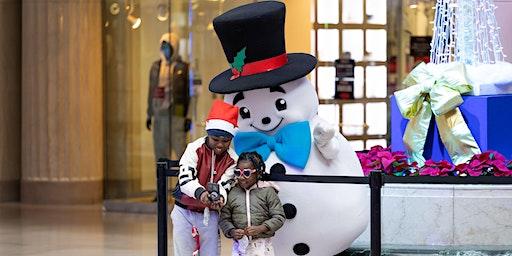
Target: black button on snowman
column 278, row 119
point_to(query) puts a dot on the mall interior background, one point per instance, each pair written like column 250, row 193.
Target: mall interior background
column 75, row 75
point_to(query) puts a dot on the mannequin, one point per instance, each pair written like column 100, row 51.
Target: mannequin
column 167, row 113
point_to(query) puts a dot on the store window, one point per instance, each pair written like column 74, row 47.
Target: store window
column 132, row 32
column 357, row 27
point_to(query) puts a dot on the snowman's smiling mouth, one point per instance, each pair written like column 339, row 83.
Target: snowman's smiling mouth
column 263, row 130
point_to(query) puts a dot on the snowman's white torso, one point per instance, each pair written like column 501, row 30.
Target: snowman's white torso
column 329, row 217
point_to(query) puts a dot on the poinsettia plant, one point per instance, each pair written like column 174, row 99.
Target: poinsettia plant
column 489, row 163
column 433, row 168
column 391, row 163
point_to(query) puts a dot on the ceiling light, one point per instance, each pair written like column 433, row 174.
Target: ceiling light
column 413, row 4
column 134, row 21
column 115, row 9
column 132, row 18
column 163, row 12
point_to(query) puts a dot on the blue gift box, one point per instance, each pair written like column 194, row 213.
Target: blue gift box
column 488, row 117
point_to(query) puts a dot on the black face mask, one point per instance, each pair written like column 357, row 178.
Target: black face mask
column 167, row 50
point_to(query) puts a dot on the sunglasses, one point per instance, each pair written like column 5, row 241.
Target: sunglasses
column 245, row 172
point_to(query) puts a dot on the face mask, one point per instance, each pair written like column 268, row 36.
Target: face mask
column 167, row 50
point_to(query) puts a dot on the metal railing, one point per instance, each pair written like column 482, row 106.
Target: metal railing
column 376, row 180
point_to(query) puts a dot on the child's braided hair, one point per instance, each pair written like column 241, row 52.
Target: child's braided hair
column 255, row 159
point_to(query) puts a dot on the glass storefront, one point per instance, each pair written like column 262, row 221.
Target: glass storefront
column 376, row 33
column 131, row 35
column 385, row 39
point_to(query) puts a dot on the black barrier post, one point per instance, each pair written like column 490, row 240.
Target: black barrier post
column 161, row 179
column 376, row 183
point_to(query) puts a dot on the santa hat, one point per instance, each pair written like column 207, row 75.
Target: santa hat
column 222, row 120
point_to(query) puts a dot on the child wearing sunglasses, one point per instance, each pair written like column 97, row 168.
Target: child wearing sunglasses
column 253, row 211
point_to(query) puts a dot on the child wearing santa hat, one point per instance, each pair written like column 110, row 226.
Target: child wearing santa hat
column 206, row 174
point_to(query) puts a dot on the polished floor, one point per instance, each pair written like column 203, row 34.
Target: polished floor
column 77, row 231
column 31, row 230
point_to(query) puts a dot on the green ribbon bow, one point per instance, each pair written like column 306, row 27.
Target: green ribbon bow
column 437, row 89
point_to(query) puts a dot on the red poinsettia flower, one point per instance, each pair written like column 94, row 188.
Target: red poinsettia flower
column 489, row 163
column 397, row 164
column 462, row 169
column 391, row 163
column 441, row 168
column 501, row 169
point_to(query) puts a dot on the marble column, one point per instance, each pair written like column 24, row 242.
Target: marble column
column 62, row 106
column 10, row 99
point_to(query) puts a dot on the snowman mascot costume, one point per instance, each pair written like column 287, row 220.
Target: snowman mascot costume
column 278, row 118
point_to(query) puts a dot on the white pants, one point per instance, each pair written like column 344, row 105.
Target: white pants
column 184, row 245
column 255, row 247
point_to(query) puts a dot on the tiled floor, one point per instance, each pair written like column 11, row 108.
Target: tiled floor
column 76, row 231
column 88, row 231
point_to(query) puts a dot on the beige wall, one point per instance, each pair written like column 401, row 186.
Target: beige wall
column 298, row 25
column 10, row 99
column 417, row 19
column 407, row 22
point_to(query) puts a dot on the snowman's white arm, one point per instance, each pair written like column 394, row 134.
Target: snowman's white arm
column 327, row 139
column 330, row 149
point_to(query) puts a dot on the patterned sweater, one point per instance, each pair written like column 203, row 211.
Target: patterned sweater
column 195, row 173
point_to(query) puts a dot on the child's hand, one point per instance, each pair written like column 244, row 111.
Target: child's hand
column 217, row 204
column 204, row 198
column 255, row 230
column 237, row 233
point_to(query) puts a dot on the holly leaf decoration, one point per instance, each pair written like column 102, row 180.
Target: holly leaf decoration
column 239, row 61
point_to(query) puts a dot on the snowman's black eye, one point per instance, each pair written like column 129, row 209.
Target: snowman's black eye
column 280, row 104
column 245, row 113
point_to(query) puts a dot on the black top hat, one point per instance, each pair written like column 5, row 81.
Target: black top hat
column 252, row 37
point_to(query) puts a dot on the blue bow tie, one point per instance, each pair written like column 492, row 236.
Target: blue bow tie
column 291, row 143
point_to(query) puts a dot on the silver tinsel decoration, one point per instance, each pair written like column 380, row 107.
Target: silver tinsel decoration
column 466, row 31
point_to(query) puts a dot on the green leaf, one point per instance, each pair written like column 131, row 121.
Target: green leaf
column 239, row 60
